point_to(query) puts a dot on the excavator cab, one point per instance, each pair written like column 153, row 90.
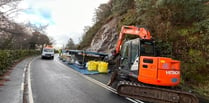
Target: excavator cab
column 139, row 62
column 131, row 51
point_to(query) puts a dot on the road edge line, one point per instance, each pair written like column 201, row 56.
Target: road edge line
column 23, row 80
column 30, row 93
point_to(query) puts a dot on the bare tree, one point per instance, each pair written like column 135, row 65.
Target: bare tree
column 39, row 40
column 51, row 41
column 13, row 36
column 37, row 28
column 17, row 36
column 8, row 2
column 8, row 29
column 8, row 7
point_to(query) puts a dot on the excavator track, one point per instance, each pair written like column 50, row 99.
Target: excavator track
column 154, row 94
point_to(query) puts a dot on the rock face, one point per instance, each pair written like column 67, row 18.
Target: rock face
column 106, row 38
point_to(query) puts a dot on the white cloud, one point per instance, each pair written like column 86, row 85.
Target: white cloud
column 67, row 17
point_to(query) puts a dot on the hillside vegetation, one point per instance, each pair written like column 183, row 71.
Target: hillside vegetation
column 180, row 28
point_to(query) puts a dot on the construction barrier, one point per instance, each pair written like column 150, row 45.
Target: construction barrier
column 102, row 67
column 92, row 65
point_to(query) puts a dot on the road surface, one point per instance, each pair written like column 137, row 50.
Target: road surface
column 53, row 82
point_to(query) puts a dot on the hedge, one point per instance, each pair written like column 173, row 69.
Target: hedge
column 9, row 57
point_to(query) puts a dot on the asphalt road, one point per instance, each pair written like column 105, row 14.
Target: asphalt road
column 53, row 82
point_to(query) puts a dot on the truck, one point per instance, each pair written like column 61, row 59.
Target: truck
column 47, row 52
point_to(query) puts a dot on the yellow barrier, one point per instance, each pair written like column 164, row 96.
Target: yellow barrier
column 92, row 66
column 102, row 67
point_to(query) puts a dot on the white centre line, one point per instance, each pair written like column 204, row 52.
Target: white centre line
column 99, row 83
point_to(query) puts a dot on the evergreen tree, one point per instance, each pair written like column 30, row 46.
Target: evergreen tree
column 71, row 44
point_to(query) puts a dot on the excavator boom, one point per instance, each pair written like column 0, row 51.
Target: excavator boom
column 132, row 30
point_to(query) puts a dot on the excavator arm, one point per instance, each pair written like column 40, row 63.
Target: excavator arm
column 132, row 30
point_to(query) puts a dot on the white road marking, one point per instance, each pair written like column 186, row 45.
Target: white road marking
column 30, row 93
column 23, row 75
column 22, row 86
column 25, row 69
column 99, row 83
column 23, row 82
column 138, row 101
column 132, row 100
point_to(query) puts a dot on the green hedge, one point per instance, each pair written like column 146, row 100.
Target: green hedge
column 9, row 57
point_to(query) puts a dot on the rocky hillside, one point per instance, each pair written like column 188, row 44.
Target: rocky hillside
column 180, row 28
column 106, row 37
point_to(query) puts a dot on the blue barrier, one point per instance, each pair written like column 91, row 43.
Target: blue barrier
column 81, row 69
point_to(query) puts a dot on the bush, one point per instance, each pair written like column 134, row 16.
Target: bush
column 182, row 32
column 9, row 57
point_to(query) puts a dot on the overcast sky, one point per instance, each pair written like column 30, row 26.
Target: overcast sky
column 66, row 18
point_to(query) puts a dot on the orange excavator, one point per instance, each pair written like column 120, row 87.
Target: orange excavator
column 142, row 75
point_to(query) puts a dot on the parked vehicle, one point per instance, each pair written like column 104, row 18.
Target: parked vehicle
column 47, row 52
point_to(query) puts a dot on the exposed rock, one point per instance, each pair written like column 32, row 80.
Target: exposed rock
column 105, row 39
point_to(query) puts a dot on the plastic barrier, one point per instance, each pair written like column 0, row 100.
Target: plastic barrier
column 92, row 66
column 102, row 67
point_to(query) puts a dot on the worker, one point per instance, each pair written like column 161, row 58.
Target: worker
column 60, row 52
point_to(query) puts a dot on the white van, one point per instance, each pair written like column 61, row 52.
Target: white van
column 47, row 52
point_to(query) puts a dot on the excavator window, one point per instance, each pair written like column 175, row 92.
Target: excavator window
column 147, row 48
column 132, row 49
column 129, row 52
column 124, row 54
column 134, row 53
